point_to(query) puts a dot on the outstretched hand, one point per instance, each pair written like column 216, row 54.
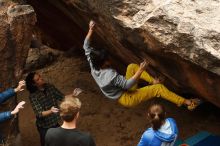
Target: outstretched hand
column 20, row 86
column 19, row 106
column 91, row 28
column 54, row 109
column 77, row 91
column 91, row 25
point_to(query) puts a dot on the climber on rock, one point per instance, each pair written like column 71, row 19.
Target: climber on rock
column 125, row 89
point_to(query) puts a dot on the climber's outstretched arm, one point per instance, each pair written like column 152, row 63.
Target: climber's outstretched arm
column 91, row 29
column 86, row 45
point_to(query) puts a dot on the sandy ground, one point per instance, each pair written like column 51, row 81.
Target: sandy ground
column 108, row 122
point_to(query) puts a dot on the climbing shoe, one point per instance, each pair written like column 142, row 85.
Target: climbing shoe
column 194, row 103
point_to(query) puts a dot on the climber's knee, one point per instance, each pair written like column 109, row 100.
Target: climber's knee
column 132, row 66
column 158, row 86
column 159, row 89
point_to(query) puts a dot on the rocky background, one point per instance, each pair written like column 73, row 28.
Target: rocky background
column 16, row 24
column 180, row 38
column 108, row 122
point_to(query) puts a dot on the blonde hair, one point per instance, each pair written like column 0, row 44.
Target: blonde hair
column 69, row 108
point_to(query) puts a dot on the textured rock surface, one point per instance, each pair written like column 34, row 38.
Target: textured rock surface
column 40, row 57
column 180, row 38
column 16, row 23
column 188, row 28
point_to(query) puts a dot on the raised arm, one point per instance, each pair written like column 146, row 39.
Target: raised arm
column 120, row 80
column 9, row 114
column 142, row 68
column 130, row 82
column 91, row 28
column 6, row 94
column 11, row 92
column 86, row 45
column 5, row 116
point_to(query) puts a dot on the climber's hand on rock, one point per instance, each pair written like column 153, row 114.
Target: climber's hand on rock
column 91, row 25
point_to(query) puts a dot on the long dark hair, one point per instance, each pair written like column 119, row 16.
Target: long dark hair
column 30, row 84
column 157, row 115
column 98, row 58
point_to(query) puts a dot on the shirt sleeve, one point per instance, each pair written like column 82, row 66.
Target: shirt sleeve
column 146, row 138
column 129, row 83
column 6, row 95
column 121, row 82
column 5, row 116
column 36, row 106
column 142, row 141
column 88, row 49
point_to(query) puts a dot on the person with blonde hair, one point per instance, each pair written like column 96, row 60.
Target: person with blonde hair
column 163, row 131
column 68, row 134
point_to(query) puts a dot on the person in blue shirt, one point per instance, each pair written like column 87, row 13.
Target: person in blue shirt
column 4, row 96
column 163, row 131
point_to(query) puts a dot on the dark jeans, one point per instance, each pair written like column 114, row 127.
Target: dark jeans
column 2, row 141
column 43, row 131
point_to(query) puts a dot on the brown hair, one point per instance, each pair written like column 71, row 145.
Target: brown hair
column 69, row 108
column 157, row 115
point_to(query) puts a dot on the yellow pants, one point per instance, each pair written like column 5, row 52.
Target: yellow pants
column 134, row 96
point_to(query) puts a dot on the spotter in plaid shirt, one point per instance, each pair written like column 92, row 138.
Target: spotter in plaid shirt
column 43, row 100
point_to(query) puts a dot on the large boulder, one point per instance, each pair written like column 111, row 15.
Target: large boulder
column 16, row 23
column 41, row 57
column 180, row 38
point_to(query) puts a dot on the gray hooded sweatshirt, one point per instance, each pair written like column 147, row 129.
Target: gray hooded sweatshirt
column 111, row 83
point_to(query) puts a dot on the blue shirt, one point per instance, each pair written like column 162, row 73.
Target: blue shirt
column 165, row 136
column 3, row 97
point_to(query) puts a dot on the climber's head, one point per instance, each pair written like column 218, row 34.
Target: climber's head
column 99, row 59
